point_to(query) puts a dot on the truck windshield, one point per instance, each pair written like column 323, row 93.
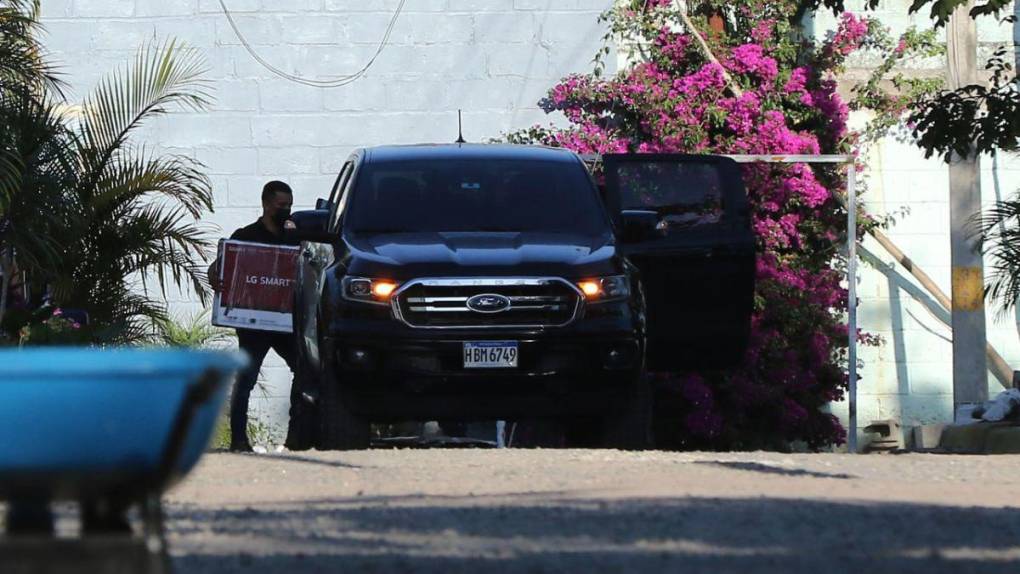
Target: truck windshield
column 475, row 194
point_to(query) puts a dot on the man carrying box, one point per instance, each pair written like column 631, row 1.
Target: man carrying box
column 277, row 199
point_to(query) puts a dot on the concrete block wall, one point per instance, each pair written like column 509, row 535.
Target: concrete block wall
column 495, row 59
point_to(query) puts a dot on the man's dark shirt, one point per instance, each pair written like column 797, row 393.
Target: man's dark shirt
column 258, row 233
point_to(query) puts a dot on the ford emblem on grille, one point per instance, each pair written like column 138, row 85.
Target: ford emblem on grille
column 488, row 303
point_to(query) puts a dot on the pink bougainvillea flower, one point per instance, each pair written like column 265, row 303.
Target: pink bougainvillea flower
column 751, row 59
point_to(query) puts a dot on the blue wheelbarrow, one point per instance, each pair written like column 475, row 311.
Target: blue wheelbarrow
column 110, row 429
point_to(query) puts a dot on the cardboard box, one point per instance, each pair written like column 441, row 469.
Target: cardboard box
column 258, row 286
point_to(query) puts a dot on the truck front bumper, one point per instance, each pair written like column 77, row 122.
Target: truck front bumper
column 404, row 373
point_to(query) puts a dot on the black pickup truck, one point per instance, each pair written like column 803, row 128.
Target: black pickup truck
column 473, row 282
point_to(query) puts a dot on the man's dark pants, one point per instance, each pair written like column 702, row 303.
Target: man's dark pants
column 257, row 345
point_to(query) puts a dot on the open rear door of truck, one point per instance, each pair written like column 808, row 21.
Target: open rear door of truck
column 684, row 222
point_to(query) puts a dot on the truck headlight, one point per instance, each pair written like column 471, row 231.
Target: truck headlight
column 603, row 289
column 364, row 290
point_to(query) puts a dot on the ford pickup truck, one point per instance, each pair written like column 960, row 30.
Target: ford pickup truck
column 484, row 281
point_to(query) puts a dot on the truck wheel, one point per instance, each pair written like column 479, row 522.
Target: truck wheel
column 339, row 428
column 539, row 433
column 583, row 433
column 630, row 426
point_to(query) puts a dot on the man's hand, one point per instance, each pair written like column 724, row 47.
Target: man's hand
column 214, row 276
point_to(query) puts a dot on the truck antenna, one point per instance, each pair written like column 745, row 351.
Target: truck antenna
column 460, row 129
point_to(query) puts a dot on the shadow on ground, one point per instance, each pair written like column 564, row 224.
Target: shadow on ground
column 536, row 533
column 770, row 469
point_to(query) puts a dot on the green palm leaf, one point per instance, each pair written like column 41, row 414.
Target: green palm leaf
column 999, row 237
column 165, row 243
column 10, row 178
column 178, row 178
column 23, row 65
column 33, row 137
column 31, row 173
column 163, row 77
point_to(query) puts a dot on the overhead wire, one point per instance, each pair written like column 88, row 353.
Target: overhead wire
column 334, row 83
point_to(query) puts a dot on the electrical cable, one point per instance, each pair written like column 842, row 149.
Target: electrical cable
column 335, row 83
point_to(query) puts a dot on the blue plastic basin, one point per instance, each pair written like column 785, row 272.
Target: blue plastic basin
column 77, row 419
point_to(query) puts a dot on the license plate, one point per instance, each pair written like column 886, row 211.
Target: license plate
column 490, row 355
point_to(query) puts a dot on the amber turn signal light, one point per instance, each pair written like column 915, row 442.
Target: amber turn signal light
column 603, row 289
column 383, row 289
column 591, row 289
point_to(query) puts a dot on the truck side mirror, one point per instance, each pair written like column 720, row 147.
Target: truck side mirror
column 311, row 220
column 639, row 224
column 311, row 225
column 322, row 204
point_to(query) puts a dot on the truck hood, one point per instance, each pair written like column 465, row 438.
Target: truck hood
column 410, row 255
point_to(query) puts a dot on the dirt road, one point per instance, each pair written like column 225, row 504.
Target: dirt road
column 596, row 511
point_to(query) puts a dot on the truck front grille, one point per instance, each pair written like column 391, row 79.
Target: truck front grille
column 443, row 303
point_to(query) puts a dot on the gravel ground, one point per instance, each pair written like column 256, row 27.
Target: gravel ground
column 596, row 511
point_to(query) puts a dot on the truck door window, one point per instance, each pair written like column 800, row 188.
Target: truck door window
column 339, row 199
column 684, row 194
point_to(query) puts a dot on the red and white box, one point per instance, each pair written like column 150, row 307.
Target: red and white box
column 257, row 286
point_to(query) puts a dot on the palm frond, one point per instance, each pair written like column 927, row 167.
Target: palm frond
column 999, row 237
column 137, row 306
column 174, row 177
column 23, row 64
column 143, row 240
column 125, row 315
column 26, row 9
column 174, row 250
column 33, row 137
column 10, row 177
column 21, row 74
column 137, row 212
column 164, row 76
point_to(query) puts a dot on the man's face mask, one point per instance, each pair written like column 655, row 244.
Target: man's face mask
column 282, row 214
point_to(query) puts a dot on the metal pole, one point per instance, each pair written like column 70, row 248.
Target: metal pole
column 851, row 240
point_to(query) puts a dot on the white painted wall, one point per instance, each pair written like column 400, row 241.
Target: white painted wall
column 493, row 58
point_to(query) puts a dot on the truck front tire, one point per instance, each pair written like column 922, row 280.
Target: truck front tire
column 629, row 427
column 339, row 428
